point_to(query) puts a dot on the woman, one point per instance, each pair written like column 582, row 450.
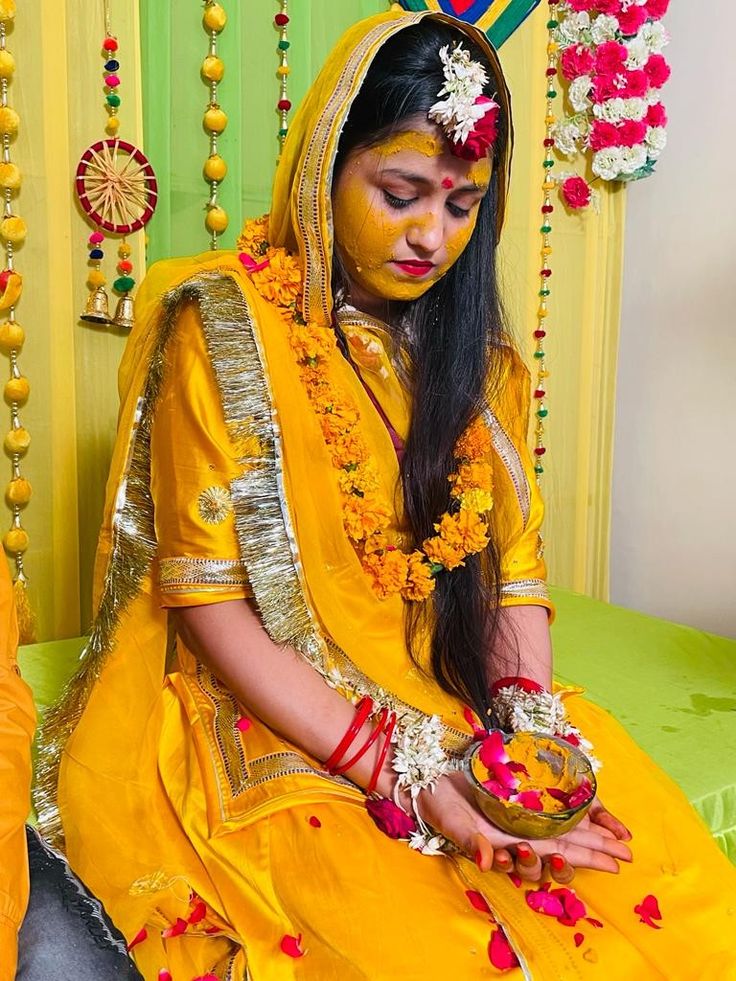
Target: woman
column 321, row 552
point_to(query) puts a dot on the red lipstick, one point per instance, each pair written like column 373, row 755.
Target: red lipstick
column 414, row 267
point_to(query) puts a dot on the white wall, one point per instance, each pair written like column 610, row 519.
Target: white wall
column 674, row 494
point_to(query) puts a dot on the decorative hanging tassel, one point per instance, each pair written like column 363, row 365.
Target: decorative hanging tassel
column 216, row 220
column 26, row 618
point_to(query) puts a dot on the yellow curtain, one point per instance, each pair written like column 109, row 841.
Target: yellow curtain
column 582, row 341
column 72, row 367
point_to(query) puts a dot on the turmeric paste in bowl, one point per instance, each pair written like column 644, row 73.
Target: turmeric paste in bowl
column 531, row 784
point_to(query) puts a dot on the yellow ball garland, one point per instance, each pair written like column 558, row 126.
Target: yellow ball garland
column 18, row 492
column 7, row 9
column 12, row 336
column 7, row 64
column 17, row 441
column 13, row 229
column 17, row 390
column 10, row 176
column 16, row 540
column 9, row 121
column 215, row 168
column 213, row 68
column 214, row 18
column 216, row 219
column 215, row 120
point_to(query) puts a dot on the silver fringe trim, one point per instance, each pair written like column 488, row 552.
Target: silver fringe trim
column 525, row 589
column 509, row 456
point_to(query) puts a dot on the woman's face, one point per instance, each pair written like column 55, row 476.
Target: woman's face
column 403, row 212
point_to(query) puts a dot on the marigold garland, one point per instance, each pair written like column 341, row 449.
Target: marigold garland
column 461, row 531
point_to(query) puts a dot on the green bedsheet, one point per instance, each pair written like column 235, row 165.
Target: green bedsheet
column 672, row 687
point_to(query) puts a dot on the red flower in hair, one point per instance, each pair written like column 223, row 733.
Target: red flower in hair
column 483, row 134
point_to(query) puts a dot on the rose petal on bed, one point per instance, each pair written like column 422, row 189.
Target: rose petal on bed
column 477, row 901
column 544, row 902
column 593, row 922
column 648, row 911
column 243, row 724
column 176, row 930
column 574, row 908
column 578, row 938
column 500, row 951
column 315, row 822
column 138, row 938
column 292, row 946
column 198, row 913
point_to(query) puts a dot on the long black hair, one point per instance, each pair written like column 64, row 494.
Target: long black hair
column 452, row 339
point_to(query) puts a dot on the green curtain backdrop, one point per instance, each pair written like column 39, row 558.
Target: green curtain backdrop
column 174, row 100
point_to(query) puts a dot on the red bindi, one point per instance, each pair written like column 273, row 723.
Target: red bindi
column 448, row 183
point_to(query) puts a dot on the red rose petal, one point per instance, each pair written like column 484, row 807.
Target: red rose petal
column 559, row 795
column 243, row 724
column 477, row 901
column 517, row 768
column 198, row 913
column 163, row 975
column 593, row 923
column 207, row 977
column 648, row 911
column 213, row 929
column 515, row 878
column 500, row 952
column 578, row 938
column 176, row 930
column 292, row 946
column 138, row 938
column 530, row 799
column 544, row 902
column 315, row 822
column 493, row 750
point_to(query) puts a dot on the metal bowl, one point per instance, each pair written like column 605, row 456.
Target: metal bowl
column 520, row 821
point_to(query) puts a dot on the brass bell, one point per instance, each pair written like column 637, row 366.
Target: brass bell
column 95, row 311
column 124, row 312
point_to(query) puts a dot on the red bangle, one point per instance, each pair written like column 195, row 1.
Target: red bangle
column 344, row 767
column 526, row 684
column 365, row 707
column 370, row 789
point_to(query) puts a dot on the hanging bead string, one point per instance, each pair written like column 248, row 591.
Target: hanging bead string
column 111, row 77
column 548, row 185
column 281, row 21
column 17, row 389
column 214, row 19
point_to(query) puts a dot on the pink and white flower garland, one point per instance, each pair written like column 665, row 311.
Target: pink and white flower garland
column 610, row 53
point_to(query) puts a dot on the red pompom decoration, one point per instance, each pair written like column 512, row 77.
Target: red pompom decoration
column 284, row 105
column 110, row 44
column 281, row 20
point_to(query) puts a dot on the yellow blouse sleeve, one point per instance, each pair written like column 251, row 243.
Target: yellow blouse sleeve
column 518, row 508
column 192, row 466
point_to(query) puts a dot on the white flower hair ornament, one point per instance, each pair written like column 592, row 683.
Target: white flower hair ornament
column 469, row 118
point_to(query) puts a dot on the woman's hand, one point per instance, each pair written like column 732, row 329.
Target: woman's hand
column 450, row 810
column 601, row 820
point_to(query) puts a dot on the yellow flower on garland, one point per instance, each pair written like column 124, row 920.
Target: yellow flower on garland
column 310, row 341
column 254, row 237
column 476, row 499
column 363, row 479
column 470, row 476
column 475, row 442
column 281, row 281
column 419, row 579
column 441, row 552
column 473, row 531
column 364, row 516
column 389, row 570
column 348, row 450
column 341, row 418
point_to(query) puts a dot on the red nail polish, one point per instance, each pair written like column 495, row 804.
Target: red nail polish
column 523, row 851
column 557, row 862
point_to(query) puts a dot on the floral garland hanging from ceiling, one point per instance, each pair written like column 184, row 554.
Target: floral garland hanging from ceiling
column 610, row 55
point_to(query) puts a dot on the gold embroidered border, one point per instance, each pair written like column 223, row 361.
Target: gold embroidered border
column 525, row 588
column 181, row 573
column 227, row 713
column 509, row 456
column 132, row 552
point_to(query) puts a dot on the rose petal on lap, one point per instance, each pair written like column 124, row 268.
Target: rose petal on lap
column 292, row 946
column 500, row 952
column 138, row 938
column 544, row 902
column 578, row 938
column 477, row 901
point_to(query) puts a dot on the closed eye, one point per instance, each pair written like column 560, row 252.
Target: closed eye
column 397, row 203
column 456, row 211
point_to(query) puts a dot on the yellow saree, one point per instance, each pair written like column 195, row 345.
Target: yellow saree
column 208, row 836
